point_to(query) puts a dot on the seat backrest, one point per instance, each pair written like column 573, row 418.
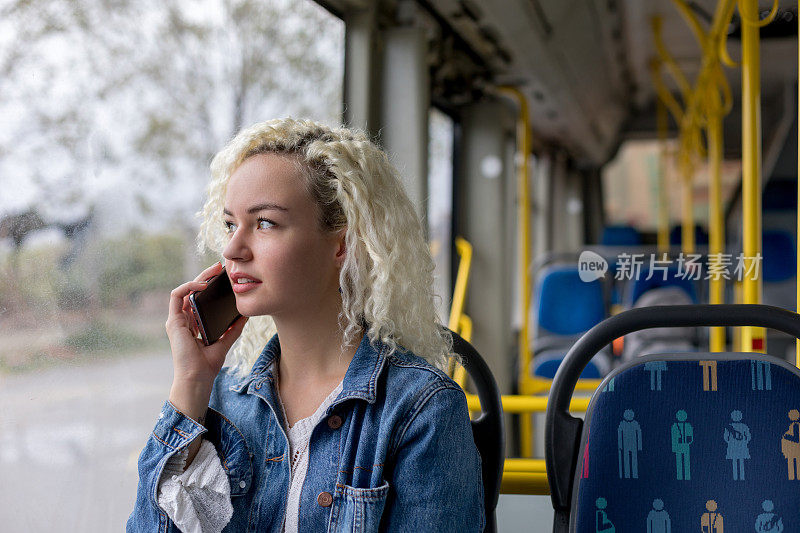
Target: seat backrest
column 780, row 255
column 688, row 438
column 777, row 269
column 566, row 305
column 545, row 364
column 660, row 339
column 680, row 439
column 670, row 277
column 621, row 236
column 676, row 234
column 488, row 429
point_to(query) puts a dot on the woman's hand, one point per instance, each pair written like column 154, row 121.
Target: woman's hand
column 195, row 365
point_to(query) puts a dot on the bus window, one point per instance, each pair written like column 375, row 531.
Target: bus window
column 630, row 184
column 111, row 112
column 440, row 204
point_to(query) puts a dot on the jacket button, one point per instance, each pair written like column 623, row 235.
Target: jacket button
column 334, row 421
column 325, row 499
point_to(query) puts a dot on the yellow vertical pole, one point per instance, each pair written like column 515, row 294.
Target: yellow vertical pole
column 738, row 298
column 525, row 262
column 524, row 222
column 752, row 338
column 687, row 224
column 716, row 226
column 663, row 204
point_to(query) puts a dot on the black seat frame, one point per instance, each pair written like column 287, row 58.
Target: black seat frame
column 488, row 429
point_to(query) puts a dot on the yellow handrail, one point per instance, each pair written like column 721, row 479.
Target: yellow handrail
column 663, row 204
column 694, row 24
column 663, row 93
column 464, row 250
column 753, row 338
column 666, row 58
column 705, row 104
column 523, row 223
column 525, row 475
column 516, row 403
column 745, row 17
column 542, row 385
column 524, row 483
column 457, row 317
column 722, row 48
column 716, row 226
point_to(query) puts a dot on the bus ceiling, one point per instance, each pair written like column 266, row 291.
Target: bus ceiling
column 583, row 64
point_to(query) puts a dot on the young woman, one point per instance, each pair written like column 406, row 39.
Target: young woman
column 344, row 421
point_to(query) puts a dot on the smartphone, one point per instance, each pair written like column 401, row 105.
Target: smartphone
column 214, row 308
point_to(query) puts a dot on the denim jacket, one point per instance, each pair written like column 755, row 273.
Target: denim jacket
column 394, row 452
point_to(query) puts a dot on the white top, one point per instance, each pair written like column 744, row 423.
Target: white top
column 198, row 500
column 299, row 436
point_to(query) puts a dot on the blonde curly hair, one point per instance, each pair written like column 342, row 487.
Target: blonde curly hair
column 386, row 279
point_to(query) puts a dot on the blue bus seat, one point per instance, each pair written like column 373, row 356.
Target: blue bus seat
column 678, row 442
column 546, row 363
column 700, row 236
column 566, row 306
column 778, row 283
column 677, row 432
column 779, row 256
column 779, row 268
column 621, row 236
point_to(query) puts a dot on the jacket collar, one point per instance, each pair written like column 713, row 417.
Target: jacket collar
column 360, row 380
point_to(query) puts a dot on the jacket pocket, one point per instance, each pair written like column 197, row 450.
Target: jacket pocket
column 233, row 451
column 357, row 510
